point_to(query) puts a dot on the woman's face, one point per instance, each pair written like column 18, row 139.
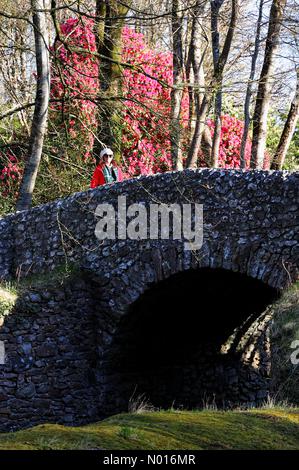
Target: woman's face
column 108, row 159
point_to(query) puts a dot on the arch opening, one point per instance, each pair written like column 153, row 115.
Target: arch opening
column 197, row 338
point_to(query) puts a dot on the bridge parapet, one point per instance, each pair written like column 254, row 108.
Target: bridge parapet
column 250, row 225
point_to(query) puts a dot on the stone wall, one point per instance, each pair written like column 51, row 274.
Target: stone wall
column 6, row 246
column 51, row 348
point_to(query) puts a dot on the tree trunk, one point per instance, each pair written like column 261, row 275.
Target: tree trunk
column 219, row 61
column 288, row 131
column 39, row 122
column 264, row 88
column 197, row 54
column 177, row 90
column 198, row 133
column 110, row 16
column 215, row 7
column 249, row 87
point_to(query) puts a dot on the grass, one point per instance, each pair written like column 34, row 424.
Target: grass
column 262, row 429
column 8, row 298
column 53, row 278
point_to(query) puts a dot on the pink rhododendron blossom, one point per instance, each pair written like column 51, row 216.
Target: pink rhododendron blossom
column 10, row 175
column 147, row 105
column 230, row 143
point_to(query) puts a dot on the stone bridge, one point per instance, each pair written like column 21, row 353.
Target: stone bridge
column 146, row 317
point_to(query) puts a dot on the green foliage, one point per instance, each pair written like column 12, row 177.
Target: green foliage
column 10, row 291
column 60, row 179
column 58, row 276
column 126, row 432
column 7, row 205
column 230, row 107
column 8, row 297
column 276, row 121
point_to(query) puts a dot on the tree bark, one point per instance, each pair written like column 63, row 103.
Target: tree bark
column 247, row 118
column 196, row 92
column 219, row 61
column 39, row 122
column 264, row 88
column 198, row 132
column 215, row 7
column 288, row 131
column 177, row 90
column 110, row 16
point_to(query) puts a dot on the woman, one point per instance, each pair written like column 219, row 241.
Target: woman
column 107, row 171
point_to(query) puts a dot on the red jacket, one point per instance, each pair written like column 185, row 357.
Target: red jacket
column 98, row 176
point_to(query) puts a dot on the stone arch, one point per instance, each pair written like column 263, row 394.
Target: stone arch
column 128, row 281
column 237, row 348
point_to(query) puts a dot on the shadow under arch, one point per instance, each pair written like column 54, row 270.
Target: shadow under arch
column 180, row 342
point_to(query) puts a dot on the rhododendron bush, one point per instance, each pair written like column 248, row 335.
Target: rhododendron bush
column 74, row 85
column 146, row 138
column 146, row 145
column 230, row 143
column 10, row 175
